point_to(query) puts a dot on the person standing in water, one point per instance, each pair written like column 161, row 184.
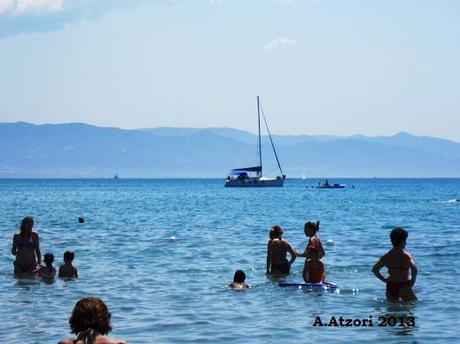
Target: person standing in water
column 26, row 248
column 311, row 229
column 67, row 270
column 277, row 250
column 398, row 262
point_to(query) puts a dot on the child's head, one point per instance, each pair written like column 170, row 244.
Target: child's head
column 239, row 276
column 68, row 256
column 277, row 231
column 398, row 236
column 310, row 228
column 48, row 259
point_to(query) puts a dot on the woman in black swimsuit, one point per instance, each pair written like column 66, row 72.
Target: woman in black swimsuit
column 26, row 248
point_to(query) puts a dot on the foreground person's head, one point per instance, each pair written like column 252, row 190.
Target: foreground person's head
column 90, row 313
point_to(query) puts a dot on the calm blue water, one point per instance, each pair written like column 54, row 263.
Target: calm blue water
column 166, row 291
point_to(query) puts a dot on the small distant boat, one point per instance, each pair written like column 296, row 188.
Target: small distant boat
column 115, row 176
column 251, row 177
column 327, row 185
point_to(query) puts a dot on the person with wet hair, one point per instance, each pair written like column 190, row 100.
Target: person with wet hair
column 311, row 229
column 239, row 280
column 278, row 264
column 90, row 321
column 26, row 248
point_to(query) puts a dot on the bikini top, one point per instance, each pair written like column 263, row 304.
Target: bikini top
column 25, row 241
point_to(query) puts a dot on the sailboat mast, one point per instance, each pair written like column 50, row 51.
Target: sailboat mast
column 260, row 141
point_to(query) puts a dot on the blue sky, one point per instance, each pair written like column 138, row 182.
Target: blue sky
column 320, row 66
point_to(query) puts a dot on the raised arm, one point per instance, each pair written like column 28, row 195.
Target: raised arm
column 377, row 267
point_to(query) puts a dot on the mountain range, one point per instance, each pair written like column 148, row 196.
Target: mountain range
column 77, row 150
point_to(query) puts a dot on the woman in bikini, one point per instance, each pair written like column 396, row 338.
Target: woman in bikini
column 277, row 262
column 398, row 262
column 26, row 248
column 90, row 321
column 311, row 229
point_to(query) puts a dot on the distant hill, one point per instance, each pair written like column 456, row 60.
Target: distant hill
column 77, row 150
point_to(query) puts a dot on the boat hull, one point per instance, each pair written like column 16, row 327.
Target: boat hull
column 254, row 183
column 335, row 186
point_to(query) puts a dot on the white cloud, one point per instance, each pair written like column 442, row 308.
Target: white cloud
column 278, row 43
column 5, row 5
column 38, row 6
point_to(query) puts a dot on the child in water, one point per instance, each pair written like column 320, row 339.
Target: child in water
column 67, row 270
column 47, row 271
column 398, row 262
column 313, row 270
column 239, row 280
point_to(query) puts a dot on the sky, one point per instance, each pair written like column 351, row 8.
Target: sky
column 320, row 67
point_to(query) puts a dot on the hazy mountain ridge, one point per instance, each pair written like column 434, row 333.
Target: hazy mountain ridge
column 81, row 150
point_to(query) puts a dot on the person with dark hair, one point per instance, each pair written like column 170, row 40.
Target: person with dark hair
column 398, row 262
column 67, row 270
column 90, row 321
column 277, row 250
column 239, row 280
column 311, row 228
column 26, row 248
column 47, row 271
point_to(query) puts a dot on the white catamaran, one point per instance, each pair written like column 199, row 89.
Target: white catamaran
column 252, row 176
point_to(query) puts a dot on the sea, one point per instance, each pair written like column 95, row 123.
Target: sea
column 162, row 252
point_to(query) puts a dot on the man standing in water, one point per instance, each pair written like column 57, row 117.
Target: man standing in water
column 398, row 262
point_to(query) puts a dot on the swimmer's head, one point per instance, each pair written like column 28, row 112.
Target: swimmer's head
column 239, row 276
column 26, row 225
column 398, row 236
column 277, row 231
column 69, row 256
column 48, row 258
column 310, row 228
